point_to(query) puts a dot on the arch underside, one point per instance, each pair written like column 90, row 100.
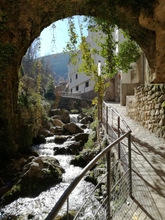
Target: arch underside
column 37, row 15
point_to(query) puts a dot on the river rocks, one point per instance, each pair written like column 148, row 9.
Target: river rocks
column 97, row 176
column 61, row 151
column 56, row 130
column 72, row 128
column 36, row 170
column 84, row 158
column 60, row 139
column 86, row 120
column 81, row 137
column 39, row 139
column 46, row 133
column 76, row 147
column 61, row 114
column 57, row 122
column 81, row 116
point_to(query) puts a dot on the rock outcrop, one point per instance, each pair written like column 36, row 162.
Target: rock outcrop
column 61, row 114
column 28, row 175
column 72, row 128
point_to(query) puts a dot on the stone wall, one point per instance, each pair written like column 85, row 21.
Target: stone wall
column 148, row 107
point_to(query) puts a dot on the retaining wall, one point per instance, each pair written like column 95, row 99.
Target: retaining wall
column 148, row 107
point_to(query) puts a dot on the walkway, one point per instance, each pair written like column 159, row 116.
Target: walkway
column 148, row 156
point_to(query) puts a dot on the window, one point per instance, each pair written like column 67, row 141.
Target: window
column 76, row 76
column 70, row 80
column 77, row 88
column 87, row 84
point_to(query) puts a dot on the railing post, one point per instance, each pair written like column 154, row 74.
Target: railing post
column 112, row 117
column 106, row 119
column 108, row 217
column 68, row 208
column 119, row 153
column 130, row 165
column 101, row 110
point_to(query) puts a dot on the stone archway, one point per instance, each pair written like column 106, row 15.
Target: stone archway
column 21, row 22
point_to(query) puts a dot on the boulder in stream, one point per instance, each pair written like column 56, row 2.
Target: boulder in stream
column 82, row 137
column 60, row 139
column 61, row 114
column 39, row 139
column 56, row 130
column 84, row 158
column 76, row 147
column 57, row 122
column 86, row 120
column 37, row 175
column 72, row 128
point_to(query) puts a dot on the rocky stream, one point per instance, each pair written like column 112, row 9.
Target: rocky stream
column 56, row 153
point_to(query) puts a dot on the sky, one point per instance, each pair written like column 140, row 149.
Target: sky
column 61, row 36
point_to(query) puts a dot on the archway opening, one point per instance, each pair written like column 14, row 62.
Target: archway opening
column 22, row 23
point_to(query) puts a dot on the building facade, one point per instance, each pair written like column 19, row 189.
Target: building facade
column 78, row 82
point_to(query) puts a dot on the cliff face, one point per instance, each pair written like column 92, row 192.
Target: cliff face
column 21, row 22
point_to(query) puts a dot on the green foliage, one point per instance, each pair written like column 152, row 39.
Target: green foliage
column 50, row 89
column 74, row 111
column 129, row 50
column 106, row 43
column 35, row 81
column 88, row 111
column 71, row 46
column 128, row 53
column 88, row 65
column 90, row 144
column 31, row 114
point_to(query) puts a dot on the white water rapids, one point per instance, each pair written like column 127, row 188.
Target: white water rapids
column 38, row 208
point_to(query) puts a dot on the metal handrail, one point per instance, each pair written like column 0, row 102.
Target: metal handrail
column 117, row 113
column 74, row 183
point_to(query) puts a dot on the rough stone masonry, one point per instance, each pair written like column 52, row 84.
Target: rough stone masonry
column 148, row 107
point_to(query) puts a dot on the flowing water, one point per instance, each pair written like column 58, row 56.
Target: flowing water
column 74, row 118
column 38, row 208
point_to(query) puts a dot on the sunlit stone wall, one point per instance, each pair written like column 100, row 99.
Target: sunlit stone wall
column 148, row 107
